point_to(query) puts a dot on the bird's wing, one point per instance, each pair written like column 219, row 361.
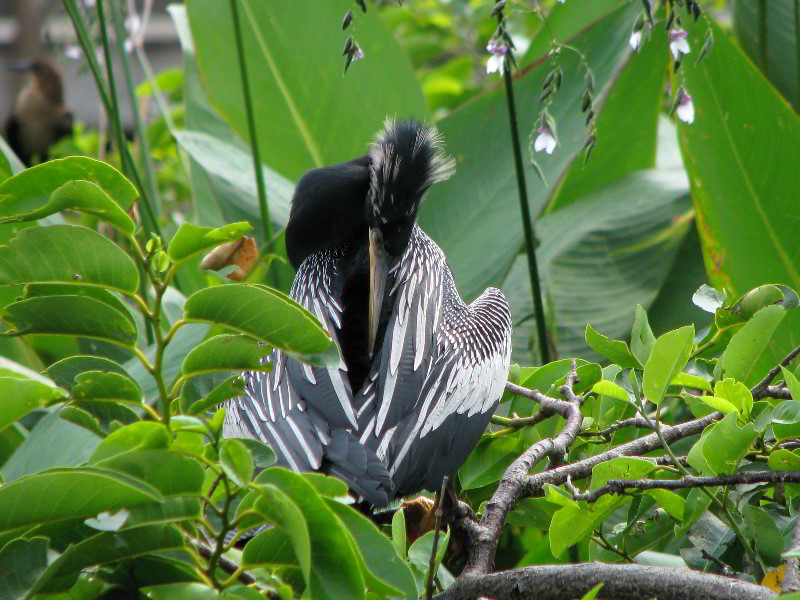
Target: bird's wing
column 438, row 358
column 328, row 388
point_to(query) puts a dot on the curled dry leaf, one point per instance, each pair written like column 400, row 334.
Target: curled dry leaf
column 243, row 253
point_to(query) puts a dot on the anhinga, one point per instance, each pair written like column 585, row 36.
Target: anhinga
column 421, row 371
column 39, row 117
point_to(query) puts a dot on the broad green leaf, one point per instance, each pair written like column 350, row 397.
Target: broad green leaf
column 261, row 312
column 32, row 189
column 67, row 254
column 64, row 371
column 399, row 538
column 168, row 472
column 301, row 126
column 791, row 382
column 232, row 168
column 625, row 143
column 169, row 81
column 143, row 435
column 326, row 485
column 614, row 350
column 227, row 353
column 50, row 497
column 104, row 548
column 786, row 420
column 740, row 154
column 611, row 389
column 379, row 556
column 71, row 315
column 53, row 442
column 22, row 562
column 668, row 357
column 742, row 359
column 599, row 257
column 767, row 536
column 191, row 239
column 181, row 591
column 708, row 298
column 476, row 212
column 784, row 460
column 532, row 512
column 21, row 393
column 99, row 385
column 669, row 501
column 488, row 461
column 691, row 381
column 419, row 554
column 623, row 467
column 721, row 404
column 726, row 443
column 769, row 34
column 230, row 388
column 236, row 462
column 334, row 571
column 737, row 394
column 642, row 338
column 592, row 593
column 83, row 196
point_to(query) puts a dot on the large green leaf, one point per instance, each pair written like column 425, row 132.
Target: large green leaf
column 669, row 355
column 64, row 371
column 288, row 46
column 104, row 548
column 599, row 257
column 22, row 391
column 741, row 154
column 742, row 358
column 261, row 312
column 22, row 562
column 476, row 212
column 53, row 442
column 770, row 34
column 170, row 473
column 191, row 239
column 233, row 166
column 71, row 315
column 67, row 254
column 55, row 496
column 31, row 189
column 227, row 353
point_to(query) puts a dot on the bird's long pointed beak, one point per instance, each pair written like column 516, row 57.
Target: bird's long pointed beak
column 378, row 270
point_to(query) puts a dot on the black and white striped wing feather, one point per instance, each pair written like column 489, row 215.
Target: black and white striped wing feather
column 442, row 368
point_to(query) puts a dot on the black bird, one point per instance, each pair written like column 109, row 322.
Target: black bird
column 39, row 117
column 421, row 372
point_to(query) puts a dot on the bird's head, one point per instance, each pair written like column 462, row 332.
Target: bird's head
column 44, row 76
column 405, row 160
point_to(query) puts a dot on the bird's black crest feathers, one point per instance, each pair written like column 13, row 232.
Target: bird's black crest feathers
column 406, row 159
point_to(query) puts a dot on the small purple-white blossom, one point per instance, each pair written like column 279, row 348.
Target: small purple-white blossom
column 358, row 53
column 684, row 107
column 497, row 60
column 636, row 39
column 678, row 44
column 73, row 52
column 545, row 139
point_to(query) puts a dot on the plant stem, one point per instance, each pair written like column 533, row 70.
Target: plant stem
column 266, row 223
column 144, row 144
column 527, row 227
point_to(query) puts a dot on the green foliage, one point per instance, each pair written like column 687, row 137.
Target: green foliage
column 118, row 353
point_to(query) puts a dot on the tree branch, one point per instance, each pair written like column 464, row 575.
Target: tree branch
column 773, row 391
column 618, row 486
column 761, row 386
column 622, row 582
column 487, row 531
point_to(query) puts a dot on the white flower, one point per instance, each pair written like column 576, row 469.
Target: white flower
column 132, row 24
column 545, row 140
column 678, row 43
column 497, row 59
column 89, row 3
column 636, row 39
column 73, row 52
column 358, row 54
column 685, row 108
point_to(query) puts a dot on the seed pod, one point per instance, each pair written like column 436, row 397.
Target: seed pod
column 670, row 19
column 545, row 94
column 348, row 18
column 557, row 80
column 348, row 61
column 498, row 8
column 589, row 116
column 348, row 47
column 648, row 11
column 548, row 80
column 696, row 12
column 587, row 101
column 362, row 5
column 677, row 64
column 707, row 45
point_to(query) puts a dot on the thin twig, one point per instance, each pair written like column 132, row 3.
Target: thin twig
column 773, row 372
column 436, row 530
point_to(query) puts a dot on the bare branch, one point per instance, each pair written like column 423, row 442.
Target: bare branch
column 618, row 486
column 223, row 563
column 773, row 372
column 773, row 391
column 639, row 422
column 487, row 531
column 622, row 582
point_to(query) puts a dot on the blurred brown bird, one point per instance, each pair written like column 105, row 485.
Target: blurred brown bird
column 39, row 117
